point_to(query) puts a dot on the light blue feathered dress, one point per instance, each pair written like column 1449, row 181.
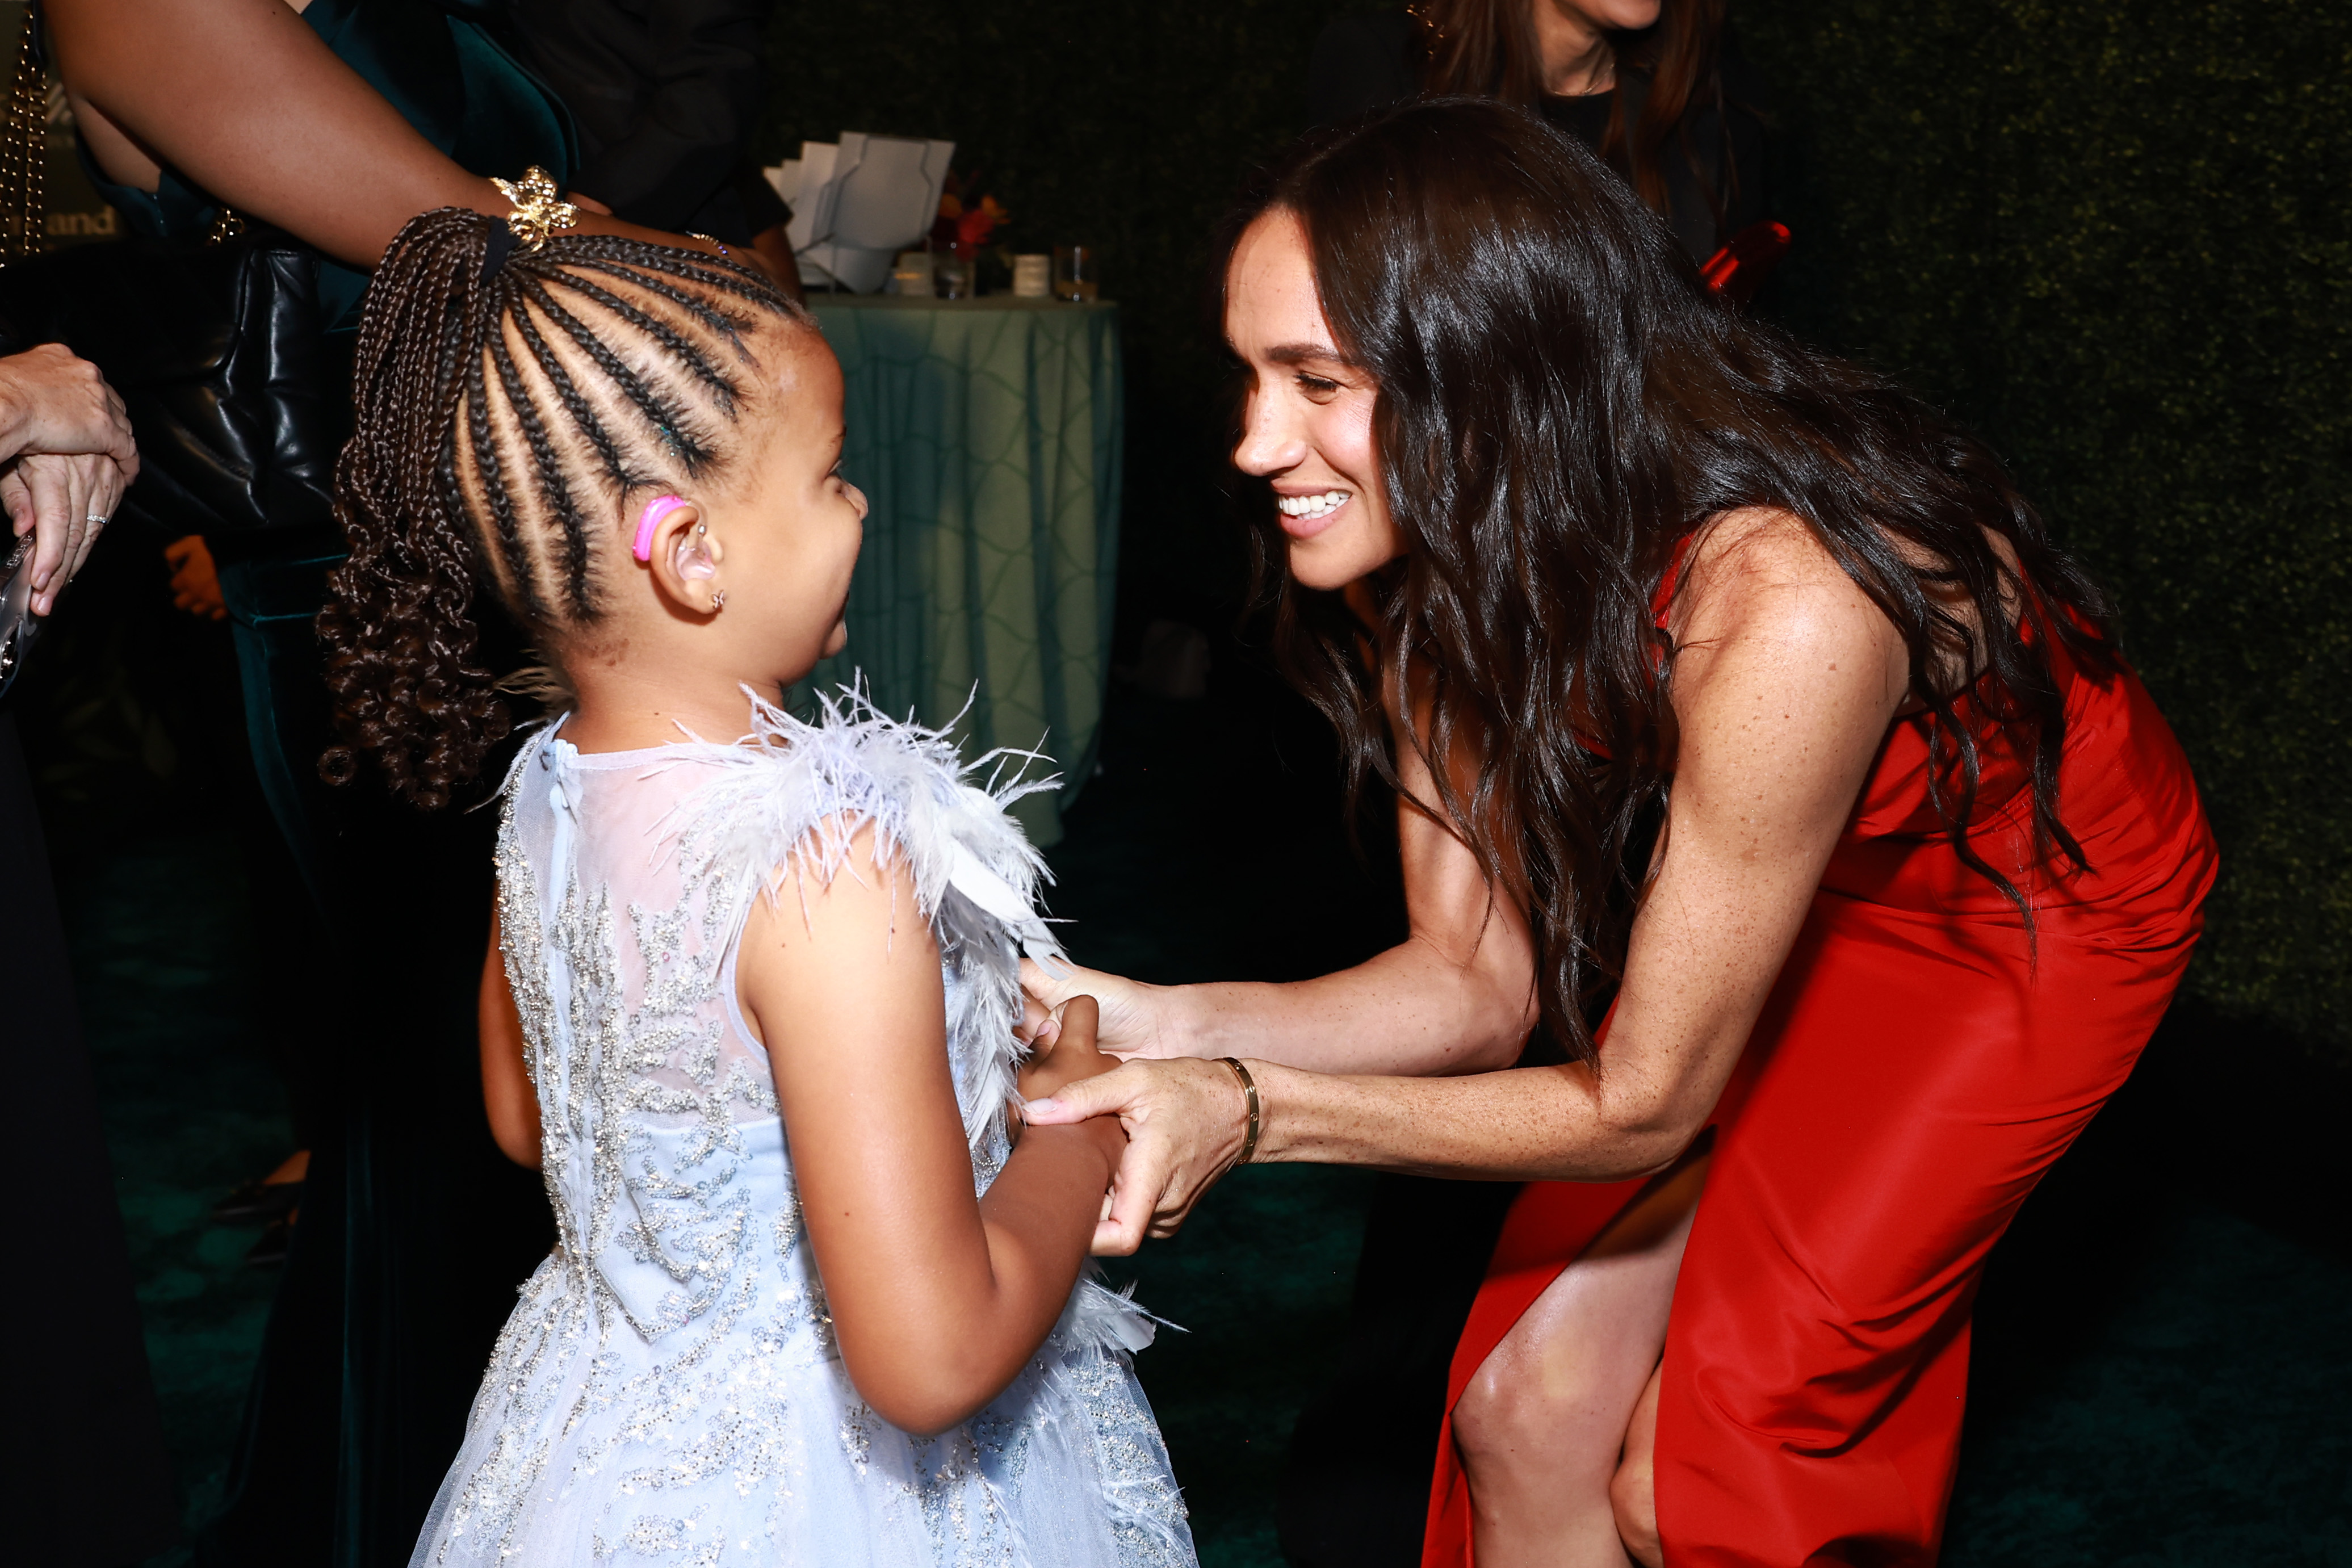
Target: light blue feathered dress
column 668, row 1390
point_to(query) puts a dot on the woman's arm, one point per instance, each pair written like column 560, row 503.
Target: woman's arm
column 249, row 103
column 507, row 1093
column 1457, row 995
column 1786, row 682
column 937, row 1299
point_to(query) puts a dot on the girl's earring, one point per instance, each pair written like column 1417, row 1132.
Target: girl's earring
column 718, row 600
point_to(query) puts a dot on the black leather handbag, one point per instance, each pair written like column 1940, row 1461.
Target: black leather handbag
column 217, row 353
column 216, row 346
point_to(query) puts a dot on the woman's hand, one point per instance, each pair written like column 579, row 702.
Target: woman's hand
column 51, row 401
column 70, row 437
column 1185, row 1121
column 64, row 501
column 1133, row 1016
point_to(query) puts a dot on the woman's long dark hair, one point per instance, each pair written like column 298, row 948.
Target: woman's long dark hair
column 1561, row 403
column 508, row 403
column 1488, row 48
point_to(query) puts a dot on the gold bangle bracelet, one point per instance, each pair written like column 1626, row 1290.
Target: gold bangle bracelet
column 1250, row 1101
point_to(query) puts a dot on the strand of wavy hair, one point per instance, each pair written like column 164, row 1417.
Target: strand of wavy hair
column 1561, row 406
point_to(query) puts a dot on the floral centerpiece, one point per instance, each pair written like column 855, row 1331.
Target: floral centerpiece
column 966, row 223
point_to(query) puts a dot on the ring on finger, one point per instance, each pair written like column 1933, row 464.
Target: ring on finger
column 96, row 519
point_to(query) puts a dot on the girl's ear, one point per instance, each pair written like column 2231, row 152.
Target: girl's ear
column 682, row 560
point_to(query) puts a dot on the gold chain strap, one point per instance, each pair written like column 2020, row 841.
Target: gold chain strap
column 25, row 155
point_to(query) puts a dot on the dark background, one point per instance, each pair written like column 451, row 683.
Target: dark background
column 2114, row 239
column 2111, row 237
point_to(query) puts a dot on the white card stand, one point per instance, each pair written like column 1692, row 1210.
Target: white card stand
column 857, row 203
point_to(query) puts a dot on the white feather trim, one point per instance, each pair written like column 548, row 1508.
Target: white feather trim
column 790, row 797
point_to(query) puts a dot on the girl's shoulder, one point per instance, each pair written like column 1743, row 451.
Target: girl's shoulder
column 795, row 791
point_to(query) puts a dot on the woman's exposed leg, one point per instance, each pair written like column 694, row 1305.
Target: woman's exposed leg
column 1541, row 1426
column 1633, row 1492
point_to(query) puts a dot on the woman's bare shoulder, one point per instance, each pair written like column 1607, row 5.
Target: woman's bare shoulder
column 1762, row 571
column 1785, row 677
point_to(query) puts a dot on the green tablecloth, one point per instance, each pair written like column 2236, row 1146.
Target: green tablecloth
column 986, row 434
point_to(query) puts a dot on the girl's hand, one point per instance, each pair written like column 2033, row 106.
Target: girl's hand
column 196, row 581
column 1066, row 1055
column 1132, row 1014
column 1185, row 1121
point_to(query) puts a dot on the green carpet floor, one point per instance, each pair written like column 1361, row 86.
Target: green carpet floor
column 2165, row 1354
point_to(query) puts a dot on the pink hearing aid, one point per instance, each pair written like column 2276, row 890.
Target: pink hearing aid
column 650, row 518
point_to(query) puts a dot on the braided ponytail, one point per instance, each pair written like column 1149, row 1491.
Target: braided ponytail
column 500, row 426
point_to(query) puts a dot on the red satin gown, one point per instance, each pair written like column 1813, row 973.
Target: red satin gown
column 1917, row 1066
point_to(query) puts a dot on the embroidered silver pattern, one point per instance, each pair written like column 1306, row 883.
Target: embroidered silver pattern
column 668, row 1389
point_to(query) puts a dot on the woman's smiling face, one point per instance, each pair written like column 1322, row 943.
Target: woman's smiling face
column 1308, row 425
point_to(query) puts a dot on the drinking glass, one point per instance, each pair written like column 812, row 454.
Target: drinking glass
column 1078, row 273
column 952, row 268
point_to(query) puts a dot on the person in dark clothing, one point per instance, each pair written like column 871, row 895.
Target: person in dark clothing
column 1657, row 88
column 664, row 94
column 414, row 1229
column 84, row 1478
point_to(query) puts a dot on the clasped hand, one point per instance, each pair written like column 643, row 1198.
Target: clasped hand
column 1184, row 1117
column 65, row 439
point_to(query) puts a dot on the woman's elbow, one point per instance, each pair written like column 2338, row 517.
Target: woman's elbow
column 1500, row 1017
column 1640, row 1141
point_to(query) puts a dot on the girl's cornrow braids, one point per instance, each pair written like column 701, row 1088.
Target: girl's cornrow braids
column 618, row 474
column 717, row 278
column 477, row 447
column 713, row 316
column 516, row 576
column 714, row 381
column 554, row 488
column 660, row 413
column 608, row 450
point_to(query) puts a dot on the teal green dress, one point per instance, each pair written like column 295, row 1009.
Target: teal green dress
column 414, row 1232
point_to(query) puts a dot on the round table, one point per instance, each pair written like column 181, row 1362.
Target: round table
column 986, row 435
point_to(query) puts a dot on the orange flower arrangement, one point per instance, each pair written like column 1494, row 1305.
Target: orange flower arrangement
column 963, row 225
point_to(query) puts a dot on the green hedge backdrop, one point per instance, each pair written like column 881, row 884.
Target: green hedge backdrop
column 2112, row 237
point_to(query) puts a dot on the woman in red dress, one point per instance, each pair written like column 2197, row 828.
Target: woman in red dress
column 1758, row 753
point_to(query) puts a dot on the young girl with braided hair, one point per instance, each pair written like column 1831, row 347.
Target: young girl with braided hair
column 751, row 1002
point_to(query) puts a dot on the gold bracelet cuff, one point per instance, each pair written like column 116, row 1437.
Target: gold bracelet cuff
column 1250, row 1103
